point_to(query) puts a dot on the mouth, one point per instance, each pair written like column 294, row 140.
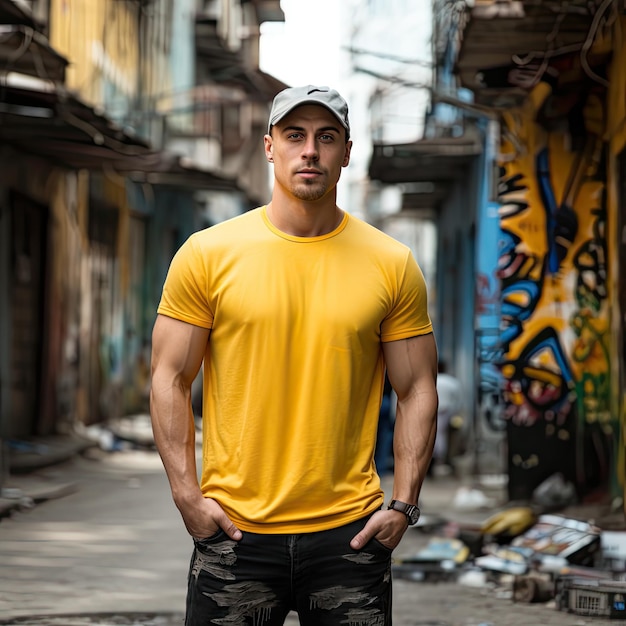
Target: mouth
column 308, row 173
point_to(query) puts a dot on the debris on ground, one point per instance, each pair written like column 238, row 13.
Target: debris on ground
column 531, row 555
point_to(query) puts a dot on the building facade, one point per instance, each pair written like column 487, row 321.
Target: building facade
column 539, row 221
column 123, row 129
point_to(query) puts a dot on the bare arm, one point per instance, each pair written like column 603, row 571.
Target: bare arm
column 412, row 370
column 177, row 352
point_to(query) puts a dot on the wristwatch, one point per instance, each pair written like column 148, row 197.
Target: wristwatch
column 411, row 511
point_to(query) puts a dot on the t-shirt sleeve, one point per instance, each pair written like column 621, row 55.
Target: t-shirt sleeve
column 409, row 316
column 185, row 292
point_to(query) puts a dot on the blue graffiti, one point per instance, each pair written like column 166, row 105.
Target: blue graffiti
column 520, row 294
column 546, row 384
column 561, row 220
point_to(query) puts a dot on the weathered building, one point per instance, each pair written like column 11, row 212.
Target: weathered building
column 540, row 216
column 107, row 164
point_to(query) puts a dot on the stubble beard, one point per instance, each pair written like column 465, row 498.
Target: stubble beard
column 309, row 193
column 311, row 190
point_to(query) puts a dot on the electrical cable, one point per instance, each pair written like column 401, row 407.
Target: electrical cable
column 99, row 138
column 392, row 79
column 550, row 39
column 534, row 54
column 591, row 35
column 387, row 57
column 23, row 48
column 14, row 58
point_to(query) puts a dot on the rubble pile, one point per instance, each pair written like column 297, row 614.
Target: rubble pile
column 530, row 554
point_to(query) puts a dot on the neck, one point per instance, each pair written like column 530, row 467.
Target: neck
column 304, row 219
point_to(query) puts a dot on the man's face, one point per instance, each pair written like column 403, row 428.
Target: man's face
column 308, row 149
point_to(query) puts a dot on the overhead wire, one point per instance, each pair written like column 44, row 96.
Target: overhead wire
column 387, row 57
column 589, row 41
column 584, row 47
column 550, row 39
column 15, row 56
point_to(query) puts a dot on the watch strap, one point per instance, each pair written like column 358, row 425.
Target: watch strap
column 411, row 511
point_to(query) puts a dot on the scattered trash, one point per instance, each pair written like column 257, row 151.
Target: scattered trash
column 439, row 560
column 555, row 493
column 27, row 447
column 474, row 577
column 469, row 499
column 19, row 500
column 581, row 571
column 429, row 523
column 133, row 429
column 493, row 480
column 557, row 536
column 533, row 588
column 506, row 559
column 500, row 528
column 442, row 549
column 509, row 523
column 11, row 494
column 105, row 439
column 122, row 433
column 613, row 549
column 550, row 544
column 422, row 572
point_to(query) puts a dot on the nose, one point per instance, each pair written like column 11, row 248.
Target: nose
column 309, row 150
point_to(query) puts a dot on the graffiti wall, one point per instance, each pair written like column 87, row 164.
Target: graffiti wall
column 552, row 267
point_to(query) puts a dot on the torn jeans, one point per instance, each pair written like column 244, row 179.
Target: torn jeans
column 258, row 580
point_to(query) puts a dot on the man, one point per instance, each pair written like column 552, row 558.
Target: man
column 296, row 309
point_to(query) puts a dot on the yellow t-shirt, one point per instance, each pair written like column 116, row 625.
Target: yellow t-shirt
column 293, row 372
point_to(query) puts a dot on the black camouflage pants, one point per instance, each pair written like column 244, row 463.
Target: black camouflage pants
column 257, row 581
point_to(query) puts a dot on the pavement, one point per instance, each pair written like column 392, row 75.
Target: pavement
column 28, row 483
column 44, row 470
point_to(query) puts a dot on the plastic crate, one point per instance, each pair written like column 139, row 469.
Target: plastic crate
column 594, row 598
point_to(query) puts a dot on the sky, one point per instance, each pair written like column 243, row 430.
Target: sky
column 304, row 49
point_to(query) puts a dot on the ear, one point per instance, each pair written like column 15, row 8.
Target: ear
column 269, row 148
column 346, row 156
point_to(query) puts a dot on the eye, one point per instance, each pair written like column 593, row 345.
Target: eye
column 294, row 135
column 327, row 137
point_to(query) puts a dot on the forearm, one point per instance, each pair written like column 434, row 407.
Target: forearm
column 174, row 436
column 414, row 439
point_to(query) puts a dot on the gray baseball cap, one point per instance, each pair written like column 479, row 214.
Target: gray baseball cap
column 288, row 99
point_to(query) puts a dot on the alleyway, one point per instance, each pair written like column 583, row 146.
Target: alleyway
column 110, row 540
